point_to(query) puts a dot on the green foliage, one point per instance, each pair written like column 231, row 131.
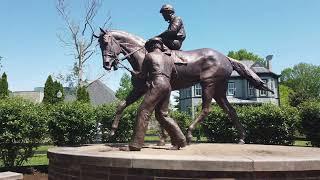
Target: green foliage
column 218, row 128
column 298, row 97
column 183, row 120
column 266, row 124
column 48, row 91
column 59, row 92
column 22, row 128
column 1, row 62
column 105, row 115
column 310, row 121
column 72, row 123
column 303, row 79
column 285, row 92
column 243, row 54
column 83, row 94
column 125, row 87
column 51, row 89
column 4, row 91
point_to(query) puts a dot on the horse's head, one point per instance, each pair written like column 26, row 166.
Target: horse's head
column 110, row 49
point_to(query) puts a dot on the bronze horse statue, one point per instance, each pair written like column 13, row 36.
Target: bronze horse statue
column 206, row 66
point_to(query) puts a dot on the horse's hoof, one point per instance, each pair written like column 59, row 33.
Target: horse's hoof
column 173, row 148
column 189, row 139
column 112, row 132
column 241, row 141
column 161, row 143
column 178, row 146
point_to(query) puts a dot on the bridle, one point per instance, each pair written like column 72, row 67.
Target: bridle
column 112, row 52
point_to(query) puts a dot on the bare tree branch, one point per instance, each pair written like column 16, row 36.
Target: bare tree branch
column 80, row 39
column 86, row 58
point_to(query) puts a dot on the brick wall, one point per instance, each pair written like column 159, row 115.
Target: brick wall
column 64, row 170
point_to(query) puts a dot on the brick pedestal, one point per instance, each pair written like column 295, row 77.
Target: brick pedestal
column 201, row 161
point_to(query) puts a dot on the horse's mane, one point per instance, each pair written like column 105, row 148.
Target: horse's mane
column 135, row 39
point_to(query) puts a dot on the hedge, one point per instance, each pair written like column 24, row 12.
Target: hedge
column 22, row 129
column 72, row 124
column 265, row 124
column 310, row 121
column 105, row 115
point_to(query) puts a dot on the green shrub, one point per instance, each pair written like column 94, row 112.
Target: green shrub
column 72, row 124
column 183, row 120
column 266, row 124
column 218, row 128
column 310, row 121
column 105, row 115
column 22, row 128
column 83, row 94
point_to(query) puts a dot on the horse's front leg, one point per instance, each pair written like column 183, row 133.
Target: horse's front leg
column 133, row 96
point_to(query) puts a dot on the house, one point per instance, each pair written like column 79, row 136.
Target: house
column 239, row 91
column 33, row 96
column 99, row 94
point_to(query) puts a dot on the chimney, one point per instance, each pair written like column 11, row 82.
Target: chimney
column 268, row 62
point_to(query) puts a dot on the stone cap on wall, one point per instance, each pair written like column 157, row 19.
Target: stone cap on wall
column 195, row 157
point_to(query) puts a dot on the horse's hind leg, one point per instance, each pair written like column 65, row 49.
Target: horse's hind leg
column 207, row 94
column 223, row 102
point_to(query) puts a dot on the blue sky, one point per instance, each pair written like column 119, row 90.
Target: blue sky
column 288, row 29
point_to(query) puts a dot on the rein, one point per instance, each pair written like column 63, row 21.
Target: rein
column 118, row 60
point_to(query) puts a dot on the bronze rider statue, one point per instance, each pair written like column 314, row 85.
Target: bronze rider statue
column 175, row 34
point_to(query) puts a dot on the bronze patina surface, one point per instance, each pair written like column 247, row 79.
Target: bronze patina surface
column 206, row 66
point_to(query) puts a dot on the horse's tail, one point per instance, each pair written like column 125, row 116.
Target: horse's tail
column 251, row 76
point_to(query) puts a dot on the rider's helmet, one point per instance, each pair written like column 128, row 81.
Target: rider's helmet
column 167, row 8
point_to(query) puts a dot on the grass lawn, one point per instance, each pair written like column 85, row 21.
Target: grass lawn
column 40, row 156
column 302, row 143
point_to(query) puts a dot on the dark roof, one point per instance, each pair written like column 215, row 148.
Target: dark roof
column 257, row 67
column 100, row 93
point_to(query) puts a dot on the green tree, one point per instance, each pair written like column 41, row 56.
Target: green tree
column 48, row 91
column 77, row 35
column 53, row 91
column 285, row 93
column 243, row 54
column 4, row 91
column 0, row 61
column 58, row 92
column 82, row 94
column 125, row 87
column 302, row 77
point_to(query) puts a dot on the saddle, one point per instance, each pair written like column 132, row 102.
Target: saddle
column 177, row 58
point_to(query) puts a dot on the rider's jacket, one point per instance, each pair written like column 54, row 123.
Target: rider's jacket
column 175, row 30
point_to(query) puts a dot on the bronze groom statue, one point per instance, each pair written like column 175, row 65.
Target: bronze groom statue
column 157, row 70
column 175, row 34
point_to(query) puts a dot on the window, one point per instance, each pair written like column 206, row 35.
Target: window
column 263, row 92
column 251, row 90
column 231, row 89
column 197, row 90
column 272, row 84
